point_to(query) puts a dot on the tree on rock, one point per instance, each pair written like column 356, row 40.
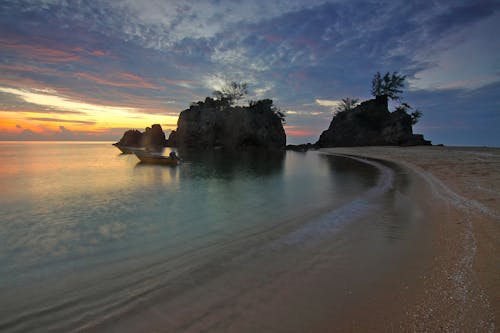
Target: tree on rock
column 389, row 85
column 415, row 115
column 346, row 104
column 231, row 92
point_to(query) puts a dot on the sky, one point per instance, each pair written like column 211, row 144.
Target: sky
column 89, row 70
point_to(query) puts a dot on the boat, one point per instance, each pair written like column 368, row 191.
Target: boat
column 152, row 158
column 127, row 149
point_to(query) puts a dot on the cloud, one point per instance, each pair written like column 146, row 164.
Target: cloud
column 59, row 102
column 466, row 64
column 296, row 131
column 59, row 120
column 39, row 52
column 96, row 53
column 161, row 24
column 28, row 68
column 304, row 113
column 124, row 80
column 329, row 103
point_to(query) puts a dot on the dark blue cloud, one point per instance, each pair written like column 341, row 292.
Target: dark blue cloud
column 460, row 116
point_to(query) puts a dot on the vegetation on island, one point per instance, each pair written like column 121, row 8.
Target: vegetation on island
column 232, row 92
column 391, row 86
column 346, row 104
column 371, row 123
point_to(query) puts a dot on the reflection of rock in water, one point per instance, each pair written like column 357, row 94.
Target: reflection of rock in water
column 402, row 211
column 346, row 166
column 225, row 164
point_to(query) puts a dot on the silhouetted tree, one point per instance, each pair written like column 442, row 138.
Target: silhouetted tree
column 346, row 104
column 389, row 85
column 266, row 105
column 415, row 115
column 280, row 114
column 231, row 92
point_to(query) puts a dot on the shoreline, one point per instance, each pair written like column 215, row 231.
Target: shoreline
column 461, row 290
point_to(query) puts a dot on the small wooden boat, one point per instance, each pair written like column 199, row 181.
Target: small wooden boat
column 146, row 157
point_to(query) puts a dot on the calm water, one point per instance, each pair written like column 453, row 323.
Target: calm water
column 86, row 233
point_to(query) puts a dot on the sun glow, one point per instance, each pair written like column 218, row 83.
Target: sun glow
column 75, row 115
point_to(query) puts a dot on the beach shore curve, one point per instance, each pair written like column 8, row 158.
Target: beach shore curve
column 461, row 292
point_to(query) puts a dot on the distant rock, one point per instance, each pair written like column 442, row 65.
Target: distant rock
column 131, row 138
column 153, row 137
column 370, row 124
column 301, row 148
column 214, row 124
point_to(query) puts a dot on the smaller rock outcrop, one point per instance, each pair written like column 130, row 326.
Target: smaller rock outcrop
column 131, row 138
column 371, row 124
column 301, row 148
column 152, row 137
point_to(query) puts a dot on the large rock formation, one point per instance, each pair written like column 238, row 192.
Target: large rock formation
column 152, row 137
column 212, row 124
column 371, row 124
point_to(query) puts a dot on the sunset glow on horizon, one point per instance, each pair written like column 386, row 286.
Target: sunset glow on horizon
column 61, row 117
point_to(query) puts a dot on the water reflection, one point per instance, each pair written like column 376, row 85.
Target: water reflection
column 347, row 167
column 401, row 211
column 156, row 174
column 224, row 164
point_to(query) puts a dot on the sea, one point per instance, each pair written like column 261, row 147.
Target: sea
column 93, row 240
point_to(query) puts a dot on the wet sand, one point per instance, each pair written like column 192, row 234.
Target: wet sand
column 461, row 288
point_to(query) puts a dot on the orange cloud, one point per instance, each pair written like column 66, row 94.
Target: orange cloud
column 123, row 80
column 27, row 68
column 59, row 120
column 39, row 53
column 298, row 131
column 97, row 53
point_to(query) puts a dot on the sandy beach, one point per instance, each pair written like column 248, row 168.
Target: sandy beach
column 461, row 290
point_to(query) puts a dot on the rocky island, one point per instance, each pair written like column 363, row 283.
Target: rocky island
column 371, row 124
column 215, row 124
column 152, row 137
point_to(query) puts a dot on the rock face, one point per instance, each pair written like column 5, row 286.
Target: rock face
column 152, row 137
column 210, row 124
column 371, row 124
column 131, row 138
